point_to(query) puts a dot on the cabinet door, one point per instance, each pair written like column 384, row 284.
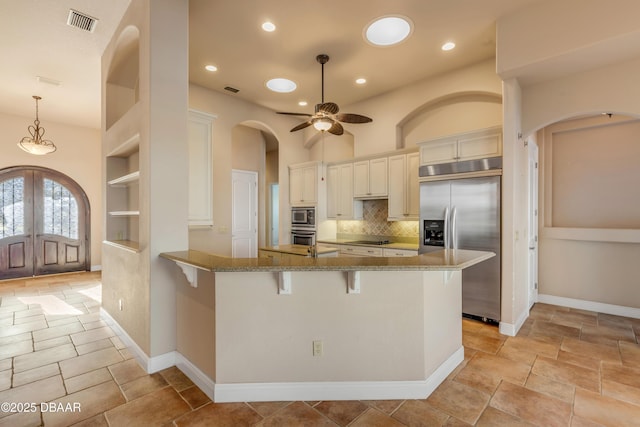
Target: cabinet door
column 309, row 185
column 479, row 147
column 295, row 186
column 345, row 192
column 398, row 252
column 439, row 152
column 378, row 177
column 333, row 189
column 412, row 196
column 361, row 179
column 397, row 187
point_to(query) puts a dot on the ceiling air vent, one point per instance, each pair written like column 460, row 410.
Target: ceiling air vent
column 82, row 21
column 232, row 89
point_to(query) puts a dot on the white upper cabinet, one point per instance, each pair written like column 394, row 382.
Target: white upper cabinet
column 340, row 202
column 467, row 146
column 200, row 173
column 370, row 179
column 303, row 184
column 404, row 204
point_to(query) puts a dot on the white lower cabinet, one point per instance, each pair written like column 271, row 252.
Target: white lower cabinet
column 348, row 250
column 398, row 252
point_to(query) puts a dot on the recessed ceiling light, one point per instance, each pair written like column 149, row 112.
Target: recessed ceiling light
column 448, row 46
column 302, row 103
column 388, row 30
column 269, row 26
column 361, row 81
column 281, row 85
column 211, row 68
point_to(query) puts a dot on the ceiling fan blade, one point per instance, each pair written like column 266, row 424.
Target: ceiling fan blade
column 336, row 129
column 301, row 126
column 352, row 118
column 293, row 114
column 328, row 107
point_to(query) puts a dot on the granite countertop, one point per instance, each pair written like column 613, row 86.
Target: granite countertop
column 301, row 250
column 406, row 246
column 439, row 260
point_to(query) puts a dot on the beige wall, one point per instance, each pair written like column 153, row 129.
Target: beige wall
column 78, row 155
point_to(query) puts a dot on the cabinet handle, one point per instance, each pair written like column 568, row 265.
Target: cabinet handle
column 370, row 252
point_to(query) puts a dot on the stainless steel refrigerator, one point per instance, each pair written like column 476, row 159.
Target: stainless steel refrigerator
column 464, row 212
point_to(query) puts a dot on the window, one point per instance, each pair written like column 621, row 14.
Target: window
column 12, row 207
column 60, row 210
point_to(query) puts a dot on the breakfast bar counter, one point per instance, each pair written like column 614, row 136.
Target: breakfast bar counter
column 301, row 328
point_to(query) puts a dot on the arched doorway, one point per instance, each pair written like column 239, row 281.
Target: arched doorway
column 44, row 223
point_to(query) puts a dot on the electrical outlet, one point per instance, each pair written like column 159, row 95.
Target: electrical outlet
column 317, row 348
column 120, row 305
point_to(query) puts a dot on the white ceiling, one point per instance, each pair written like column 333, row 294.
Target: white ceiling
column 37, row 42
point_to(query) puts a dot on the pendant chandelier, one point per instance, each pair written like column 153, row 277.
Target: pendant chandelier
column 34, row 144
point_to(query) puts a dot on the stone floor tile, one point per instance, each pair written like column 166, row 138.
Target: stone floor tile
column 341, row 412
column 53, row 342
column 266, row 409
column 5, row 379
column 94, row 346
column 126, row 371
column 419, row 413
column 22, row 419
column 89, row 362
column 144, row 385
column 579, row 360
column 386, row 406
column 630, row 353
column 94, row 325
column 35, row 374
column 460, row 401
column 542, row 328
column 545, row 385
column 30, row 319
column 95, row 421
column 605, row 410
column 513, row 353
column 5, row 364
column 86, row 380
column 531, row 406
column 15, row 349
column 482, row 343
column 57, row 331
column 222, row 414
column 595, row 351
column 374, row 418
column 176, row 378
column 93, row 401
column 6, row 321
column 620, row 391
column 297, row 413
column 583, row 422
column 157, row 408
column 31, row 312
column 38, row 391
column 195, row 397
column 616, row 333
column 43, row 357
column 92, row 335
column 621, row 374
column 7, row 331
column 485, row 372
column 567, row 373
column 26, row 336
column 117, row 343
column 493, row 417
column 58, row 320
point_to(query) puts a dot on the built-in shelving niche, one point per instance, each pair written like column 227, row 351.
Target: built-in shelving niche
column 123, row 191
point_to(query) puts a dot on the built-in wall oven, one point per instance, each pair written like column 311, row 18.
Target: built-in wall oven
column 303, row 226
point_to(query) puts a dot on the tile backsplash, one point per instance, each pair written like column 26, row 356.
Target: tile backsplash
column 374, row 223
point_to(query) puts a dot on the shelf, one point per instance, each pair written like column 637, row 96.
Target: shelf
column 124, row 213
column 127, row 148
column 126, row 179
column 124, row 244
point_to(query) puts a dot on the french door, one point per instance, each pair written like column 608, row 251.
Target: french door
column 44, row 223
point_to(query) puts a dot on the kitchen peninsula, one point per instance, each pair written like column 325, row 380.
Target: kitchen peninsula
column 302, row 328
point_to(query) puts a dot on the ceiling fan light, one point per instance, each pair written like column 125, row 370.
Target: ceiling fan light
column 281, row 85
column 388, row 30
column 322, row 124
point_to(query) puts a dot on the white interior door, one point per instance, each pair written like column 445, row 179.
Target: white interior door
column 244, row 217
column 533, row 223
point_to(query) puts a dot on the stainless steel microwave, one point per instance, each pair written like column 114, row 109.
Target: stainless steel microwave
column 303, row 218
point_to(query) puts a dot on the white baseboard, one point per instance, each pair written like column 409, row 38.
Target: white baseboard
column 617, row 310
column 356, row 390
column 149, row 364
column 199, row 378
column 511, row 329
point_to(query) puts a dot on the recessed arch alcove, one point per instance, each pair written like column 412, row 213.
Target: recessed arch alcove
column 123, row 77
column 447, row 115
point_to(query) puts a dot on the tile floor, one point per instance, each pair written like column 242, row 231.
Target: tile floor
column 565, row 368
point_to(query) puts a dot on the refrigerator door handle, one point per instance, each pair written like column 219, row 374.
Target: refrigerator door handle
column 446, row 227
column 454, row 244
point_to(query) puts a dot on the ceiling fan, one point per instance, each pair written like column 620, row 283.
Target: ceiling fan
column 327, row 116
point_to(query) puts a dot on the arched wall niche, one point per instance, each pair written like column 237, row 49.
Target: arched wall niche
column 122, row 83
column 450, row 114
